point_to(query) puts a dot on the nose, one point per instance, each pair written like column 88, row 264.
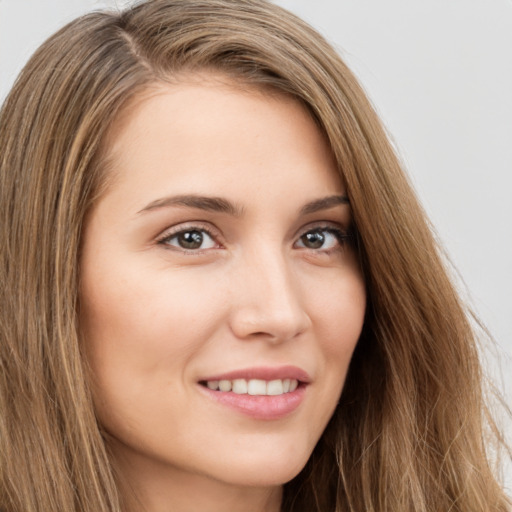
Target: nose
column 267, row 300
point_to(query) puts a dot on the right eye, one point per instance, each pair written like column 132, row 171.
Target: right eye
column 194, row 239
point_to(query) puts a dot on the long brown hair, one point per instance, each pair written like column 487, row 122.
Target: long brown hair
column 410, row 431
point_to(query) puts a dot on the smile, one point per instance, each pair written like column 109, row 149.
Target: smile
column 261, row 393
column 254, row 386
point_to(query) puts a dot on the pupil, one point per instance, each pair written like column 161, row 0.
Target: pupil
column 313, row 240
column 191, row 239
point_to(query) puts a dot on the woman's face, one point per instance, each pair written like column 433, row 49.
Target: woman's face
column 221, row 297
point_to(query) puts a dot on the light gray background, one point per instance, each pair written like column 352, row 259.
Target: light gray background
column 440, row 75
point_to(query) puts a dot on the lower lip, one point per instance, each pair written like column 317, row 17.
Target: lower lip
column 260, row 407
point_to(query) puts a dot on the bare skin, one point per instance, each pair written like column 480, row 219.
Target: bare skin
column 222, row 248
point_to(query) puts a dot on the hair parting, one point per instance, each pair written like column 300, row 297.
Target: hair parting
column 411, row 429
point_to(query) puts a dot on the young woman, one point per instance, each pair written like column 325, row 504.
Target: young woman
column 218, row 289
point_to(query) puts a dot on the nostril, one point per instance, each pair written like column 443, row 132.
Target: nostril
column 273, row 318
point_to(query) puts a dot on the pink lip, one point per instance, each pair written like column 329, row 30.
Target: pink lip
column 264, row 373
column 258, row 406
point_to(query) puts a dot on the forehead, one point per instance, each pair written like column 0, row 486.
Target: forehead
column 211, row 129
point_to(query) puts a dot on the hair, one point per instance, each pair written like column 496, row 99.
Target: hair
column 411, row 429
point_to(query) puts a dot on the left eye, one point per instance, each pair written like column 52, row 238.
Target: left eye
column 190, row 239
column 321, row 239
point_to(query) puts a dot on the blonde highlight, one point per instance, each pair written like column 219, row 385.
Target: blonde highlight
column 410, row 430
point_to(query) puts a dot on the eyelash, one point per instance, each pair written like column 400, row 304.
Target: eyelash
column 342, row 236
column 166, row 237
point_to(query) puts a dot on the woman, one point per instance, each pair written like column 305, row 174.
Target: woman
column 204, row 224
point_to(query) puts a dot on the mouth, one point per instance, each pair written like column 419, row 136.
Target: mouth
column 261, row 393
column 254, row 387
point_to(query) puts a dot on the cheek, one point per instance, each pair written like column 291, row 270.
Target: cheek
column 139, row 321
column 337, row 308
column 139, row 335
column 339, row 321
column 143, row 328
column 339, row 313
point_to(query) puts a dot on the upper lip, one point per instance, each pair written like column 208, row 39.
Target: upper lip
column 264, row 373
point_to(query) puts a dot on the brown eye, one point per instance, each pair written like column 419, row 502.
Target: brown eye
column 323, row 239
column 313, row 240
column 190, row 240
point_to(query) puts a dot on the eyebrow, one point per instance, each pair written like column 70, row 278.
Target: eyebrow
column 323, row 204
column 218, row 204
column 212, row 204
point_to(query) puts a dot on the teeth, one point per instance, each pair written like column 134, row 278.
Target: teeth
column 254, row 386
column 225, row 385
column 239, row 386
column 275, row 387
column 257, row 387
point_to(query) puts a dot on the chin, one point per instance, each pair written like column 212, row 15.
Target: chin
column 264, row 471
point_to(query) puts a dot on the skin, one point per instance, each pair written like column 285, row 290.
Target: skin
column 157, row 318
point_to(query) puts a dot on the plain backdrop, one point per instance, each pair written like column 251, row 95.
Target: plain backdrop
column 440, row 75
